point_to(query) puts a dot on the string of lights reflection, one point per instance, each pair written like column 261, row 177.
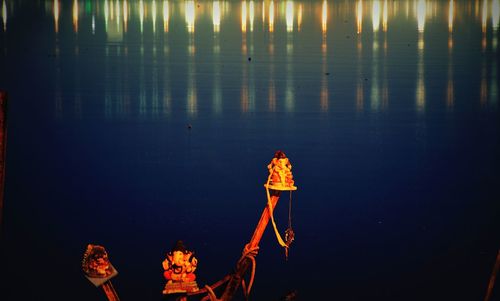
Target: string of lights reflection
column 119, row 15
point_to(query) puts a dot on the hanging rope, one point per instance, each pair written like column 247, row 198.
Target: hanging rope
column 249, row 253
column 269, row 205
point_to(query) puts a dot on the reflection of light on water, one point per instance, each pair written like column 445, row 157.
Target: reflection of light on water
column 324, row 16
column 125, row 15
column 56, row 15
column 153, row 15
column 451, row 11
column 289, row 16
column 106, row 14
column 359, row 16
column 359, row 96
column 484, row 15
column 192, row 101
column 375, row 92
column 154, row 93
column 376, row 15
column 495, row 20
column 252, row 14
column 420, row 90
column 484, row 18
column 4, row 15
column 324, row 92
column 244, row 90
column 190, row 15
column 271, row 16
column 263, row 13
column 494, row 83
column 299, row 18
column 141, row 15
column 216, row 16
column 75, row 15
column 217, row 94
column 243, row 16
column 484, row 86
column 421, row 14
column 272, row 95
column 384, row 16
column 166, row 15
column 450, row 97
column 118, row 10
column 495, row 15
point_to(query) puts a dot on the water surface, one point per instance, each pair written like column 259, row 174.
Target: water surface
column 388, row 111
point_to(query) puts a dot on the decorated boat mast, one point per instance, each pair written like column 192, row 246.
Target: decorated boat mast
column 181, row 263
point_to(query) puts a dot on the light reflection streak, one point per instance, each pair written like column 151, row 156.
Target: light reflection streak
column 244, row 102
column 271, row 16
column 494, row 82
column 155, row 104
column 289, row 16
column 153, row 14
column 243, row 16
column 118, row 10
column 4, row 15
column 495, row 20
column 299, row 17
column 167, row 98
column 263, row 13
column 125, row 15
column 272, row 87
column 166, row 15
column 324, row 17
column 375, row 90
column 190, row 15
column 75, row 16
column 217, row 93
column 323, row 97
column 450, row 95
column 483, row 94
column 192, row 97
column 216, row 16
column 484, row 19
column 421, row 15
column 360, row 84
column 384, row 16
column 420, row 88
column 141, row 15
column 289, row 89
column 451, row 10
column 359, row 16
column 484, row 16
column 376, row 15
column 495, row 15
column 56, row 15
column 252, row 14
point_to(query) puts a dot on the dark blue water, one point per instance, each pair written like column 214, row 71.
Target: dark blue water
column 388, row 111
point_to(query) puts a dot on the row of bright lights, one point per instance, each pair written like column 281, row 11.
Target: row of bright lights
column 119, row 11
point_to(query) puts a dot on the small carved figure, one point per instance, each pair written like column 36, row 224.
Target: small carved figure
column 95, row 262
column 180, row 264
column 280, row 171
